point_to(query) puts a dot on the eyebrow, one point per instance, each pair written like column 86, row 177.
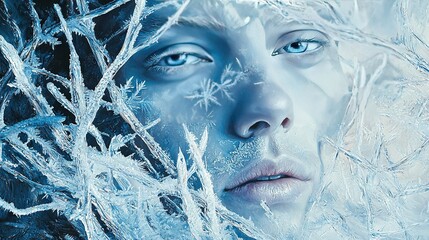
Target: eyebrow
column 156, row 22
column 151, row 25
column 202, row 22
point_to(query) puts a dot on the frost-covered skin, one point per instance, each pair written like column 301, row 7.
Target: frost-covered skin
column 282, row 90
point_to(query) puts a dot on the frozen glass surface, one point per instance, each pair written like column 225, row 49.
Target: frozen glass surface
column 214, row 119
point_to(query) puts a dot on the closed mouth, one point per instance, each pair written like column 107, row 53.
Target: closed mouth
column 271, row 181
column 260, row 179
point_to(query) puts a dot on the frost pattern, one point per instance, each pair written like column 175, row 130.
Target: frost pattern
column 207, row 94
column 74, row 168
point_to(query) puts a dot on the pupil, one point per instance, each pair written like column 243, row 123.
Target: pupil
column 175, row 57
column 296, row 45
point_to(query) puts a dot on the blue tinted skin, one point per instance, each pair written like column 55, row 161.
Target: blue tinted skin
column 286, row 98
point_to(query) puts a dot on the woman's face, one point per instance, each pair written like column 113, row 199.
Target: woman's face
column 266, row 88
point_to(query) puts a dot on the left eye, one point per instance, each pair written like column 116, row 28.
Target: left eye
column 301, row 43
column 179, row 59
column 301, row 46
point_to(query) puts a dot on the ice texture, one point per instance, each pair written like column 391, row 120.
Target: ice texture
column 65, row 175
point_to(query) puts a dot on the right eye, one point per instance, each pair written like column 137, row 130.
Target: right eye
column 177, row 62
column 180, row 59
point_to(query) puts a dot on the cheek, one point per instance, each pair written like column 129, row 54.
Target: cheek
column 171, row 103
column 316, row 113
column 329, row 77
column 324, row 96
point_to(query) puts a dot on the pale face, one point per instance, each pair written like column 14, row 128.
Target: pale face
column 267, row 89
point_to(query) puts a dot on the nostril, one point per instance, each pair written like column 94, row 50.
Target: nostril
column 258, row 126
column 286, row 123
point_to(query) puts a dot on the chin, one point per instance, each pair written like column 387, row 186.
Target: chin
column 282, row 220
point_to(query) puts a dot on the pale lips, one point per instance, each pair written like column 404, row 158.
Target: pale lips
column 259, row 179
column 280, row 181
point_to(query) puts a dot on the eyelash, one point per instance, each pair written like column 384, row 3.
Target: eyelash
column 156, row 58
column 165, row 69
column 322, row 42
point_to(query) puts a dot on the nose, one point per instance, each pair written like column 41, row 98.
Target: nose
column 264, row 109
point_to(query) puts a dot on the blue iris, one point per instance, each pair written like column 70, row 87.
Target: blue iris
column 176, row 59
column 296, row 47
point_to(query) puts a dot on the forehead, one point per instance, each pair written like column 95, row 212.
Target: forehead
column 219, row 14
column 234, row 14
column 227, row 14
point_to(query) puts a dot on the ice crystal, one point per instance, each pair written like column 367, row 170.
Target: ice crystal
column 74, row 166
column 206, row 94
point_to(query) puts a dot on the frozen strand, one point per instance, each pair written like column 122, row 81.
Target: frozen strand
column 22, row 77
column 93, row 229
column 345, row 126
column 365, row 98
column 64, row 81
column 106, row 214
column 155, row 37
column 143, row 225
column 59, row 96
column 98, row 50
column 244, row 225
column 270, row 215
column 338, row 223
column 37, row 29
column 206, row 182
column 148, row 11
column 355, row 158
column 46, row 189
column 367, row 203
column 29, row 123
column 146, row 161
column 414, row 189
column 55, row 173
column 93, row 130
column 69, row 106
column 28, row 54
column 89, row 16
column 132, row 169
column 391, row 205
column 54, row 206
column 126, row 111
column 23, row 83
column 119, row 141
column 16, row 30
column 190, row 208
column 95, row 100
column 127, row 51
column 100, row 54
column 129, row 117
column 77, row 90
column 410, row 157
column 318, row 197
column 84, row 209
